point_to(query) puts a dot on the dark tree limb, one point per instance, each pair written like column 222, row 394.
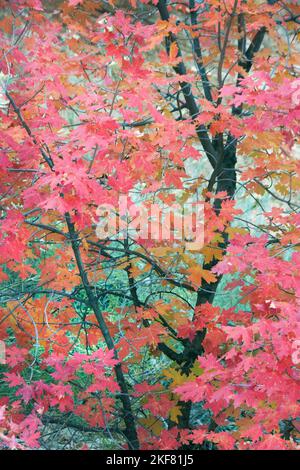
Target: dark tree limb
column 186, row 89
column 198, row 52
column 25, row 126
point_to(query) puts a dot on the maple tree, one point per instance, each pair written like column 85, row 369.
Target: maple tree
column 153, row 345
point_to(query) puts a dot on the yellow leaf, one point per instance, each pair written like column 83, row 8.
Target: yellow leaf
column 173, row 51
column 210, row 253
column 197, row 273
column 196, row 371
column 176, row 376
column 162, row 251
column 85, row 245
column 282, row 189
column 162, row 25
column 234, row 230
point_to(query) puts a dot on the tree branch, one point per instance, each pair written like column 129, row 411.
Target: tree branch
column 186, row 89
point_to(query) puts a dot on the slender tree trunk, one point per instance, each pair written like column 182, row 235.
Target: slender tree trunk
column 128, row 416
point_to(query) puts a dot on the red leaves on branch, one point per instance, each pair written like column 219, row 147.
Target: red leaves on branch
column 125, row 333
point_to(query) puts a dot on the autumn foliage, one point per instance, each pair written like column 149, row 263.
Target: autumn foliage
column 151, row 344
